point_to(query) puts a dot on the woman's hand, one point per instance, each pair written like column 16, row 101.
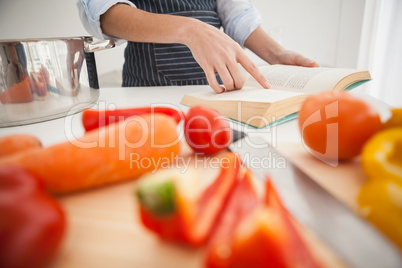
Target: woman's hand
column 216, row 52
column 269, row 50
column 289, row 57
column 211, row 48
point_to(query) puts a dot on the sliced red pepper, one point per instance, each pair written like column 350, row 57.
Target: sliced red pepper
column 243, row 200
column 256, row 233
column 93, row 119
column 186, row 221
column 32, row 223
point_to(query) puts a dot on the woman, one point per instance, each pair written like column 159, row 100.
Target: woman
column 179, row 42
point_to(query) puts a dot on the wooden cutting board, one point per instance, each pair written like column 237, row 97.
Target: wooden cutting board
column 343, row 180
column 104, row 231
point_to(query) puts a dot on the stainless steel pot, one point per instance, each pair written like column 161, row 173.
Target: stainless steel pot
column 43, row 79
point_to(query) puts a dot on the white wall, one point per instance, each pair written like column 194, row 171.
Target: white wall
column 325, row 30
column 20, row 19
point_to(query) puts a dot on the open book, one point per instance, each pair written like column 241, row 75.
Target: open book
column 290, row 86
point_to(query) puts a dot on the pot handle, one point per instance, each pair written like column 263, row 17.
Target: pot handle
column 92, row 46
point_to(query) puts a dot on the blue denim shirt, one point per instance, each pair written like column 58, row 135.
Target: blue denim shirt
column 239, row 18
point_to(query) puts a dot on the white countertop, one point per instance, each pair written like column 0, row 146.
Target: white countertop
column 58, row 130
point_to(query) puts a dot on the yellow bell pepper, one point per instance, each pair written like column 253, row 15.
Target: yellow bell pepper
column 380, row 201
column 382, row 155
column 395, row 120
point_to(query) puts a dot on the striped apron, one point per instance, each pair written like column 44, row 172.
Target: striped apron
column 152, row 64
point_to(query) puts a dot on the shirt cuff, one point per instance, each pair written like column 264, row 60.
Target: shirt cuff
column 90, row 12
column 241, row 26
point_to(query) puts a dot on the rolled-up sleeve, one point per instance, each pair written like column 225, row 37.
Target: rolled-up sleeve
column 90, row 12
column 239, row 18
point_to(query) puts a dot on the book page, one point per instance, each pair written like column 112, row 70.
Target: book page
column 301, row 79
column 248, row 94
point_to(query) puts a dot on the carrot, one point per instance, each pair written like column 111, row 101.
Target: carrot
column 16, row 143
column 114, row 153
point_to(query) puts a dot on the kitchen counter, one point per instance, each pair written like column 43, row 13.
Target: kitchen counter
column 102, row 227
column 58, row 130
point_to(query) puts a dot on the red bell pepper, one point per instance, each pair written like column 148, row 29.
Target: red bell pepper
column 32, row 223
column 93, row 119
column 184, row 207
column 255, row 233
column 244, row 199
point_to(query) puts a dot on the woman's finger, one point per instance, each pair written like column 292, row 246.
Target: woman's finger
column 226, row 77
column 213, row 83
column 252, row 69
column 237, row 76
